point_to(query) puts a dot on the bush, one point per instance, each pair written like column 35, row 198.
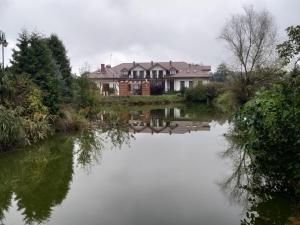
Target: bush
column 36, row 128
column 11, row 132
column 156, row 89
column 268, row 127
column 226, row 102
column 70, row 120
column 33, row 120
column 202, row 93
column 86, row 93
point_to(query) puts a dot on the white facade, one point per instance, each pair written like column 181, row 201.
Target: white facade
column 137, row 70
column 177, row 83
column 111, row 84
column 156, row 70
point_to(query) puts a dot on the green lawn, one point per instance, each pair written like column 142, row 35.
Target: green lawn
column 141, row 100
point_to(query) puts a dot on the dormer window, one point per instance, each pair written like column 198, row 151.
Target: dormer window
column 141, row 74
column 154, row 74
column 172, row 71
column 134, row 74
column 160, row 73
column 124, row 72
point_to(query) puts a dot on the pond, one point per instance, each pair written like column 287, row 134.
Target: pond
column 139, row 166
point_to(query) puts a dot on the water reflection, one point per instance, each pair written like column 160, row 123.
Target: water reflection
column 39, row 179
column 166, row 120
column 262, row 198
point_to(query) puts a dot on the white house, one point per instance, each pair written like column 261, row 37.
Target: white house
column 161, row 76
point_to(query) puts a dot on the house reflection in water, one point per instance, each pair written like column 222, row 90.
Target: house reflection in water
column 169, row 120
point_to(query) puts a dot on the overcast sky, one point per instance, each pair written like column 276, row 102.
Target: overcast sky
column 136, row 30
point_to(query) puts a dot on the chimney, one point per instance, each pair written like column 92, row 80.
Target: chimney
column 170, row 62
column 151, row 63
column 103, row 70
column 133, row 63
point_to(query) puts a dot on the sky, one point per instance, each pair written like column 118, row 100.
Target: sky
column 116, row 31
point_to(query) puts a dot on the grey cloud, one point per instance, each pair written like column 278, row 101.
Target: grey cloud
column 137, row 29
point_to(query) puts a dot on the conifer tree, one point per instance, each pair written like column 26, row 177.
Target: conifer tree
column 34, row 58
column 20, row 56
column 59, row 54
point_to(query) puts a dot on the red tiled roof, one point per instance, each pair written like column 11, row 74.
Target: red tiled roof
column 184, row 69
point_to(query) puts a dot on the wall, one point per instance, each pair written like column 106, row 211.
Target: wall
column 186, row 82
column 112, row 84
column 157, row 69
column 137, row 69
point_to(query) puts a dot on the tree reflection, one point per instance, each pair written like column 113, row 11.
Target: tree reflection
column 89, row 148
column 263, row 201
column 111, row 131
column 39, row 178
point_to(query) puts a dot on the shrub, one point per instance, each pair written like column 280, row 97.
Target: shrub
column 202, row 93
column 70, row 120
column 226, row 102
column 11, row 132
column 86, row 93
column 268, row 127
column 36, row 128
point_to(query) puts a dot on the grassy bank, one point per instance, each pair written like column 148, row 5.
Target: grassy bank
column 141, row 100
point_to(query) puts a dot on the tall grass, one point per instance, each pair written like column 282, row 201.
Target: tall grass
column 11, row 131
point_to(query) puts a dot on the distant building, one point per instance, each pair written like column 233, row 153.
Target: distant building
column 145, row 78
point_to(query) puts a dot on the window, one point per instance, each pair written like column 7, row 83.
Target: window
column 172, row 71
column 191, row 83
column 148, row 74
column 154, row 74
column 160, row 73
column 141, row 74
column 134, row 74
column 124, row 73
column 182, row 85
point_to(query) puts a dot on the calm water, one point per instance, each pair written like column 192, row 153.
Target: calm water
column 142, row 167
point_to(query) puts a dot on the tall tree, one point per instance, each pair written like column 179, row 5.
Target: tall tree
column 59, row 55
column 290, row 49
column 250, row 37
column 222, row 73
column 20, row 55
column 34, row 58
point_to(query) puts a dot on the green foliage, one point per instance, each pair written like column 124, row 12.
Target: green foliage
column 202, row 93
column 34, row 58
column 10, row 129
column 21, row 58
column 268, row 127
column 86, row 93
column 59, row 55
column 37, row 179
column 226, row 102
column 36, row 89
column 222, row 73
column 33, row 120
column 70, row 120
column 140, row 100
column 290, row 48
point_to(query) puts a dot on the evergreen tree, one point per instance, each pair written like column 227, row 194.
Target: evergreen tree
column 20, row 56
column 59, row 54
column 34, row 58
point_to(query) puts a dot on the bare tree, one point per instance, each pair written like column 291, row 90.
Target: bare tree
column 251, row 38
column 85, row 68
